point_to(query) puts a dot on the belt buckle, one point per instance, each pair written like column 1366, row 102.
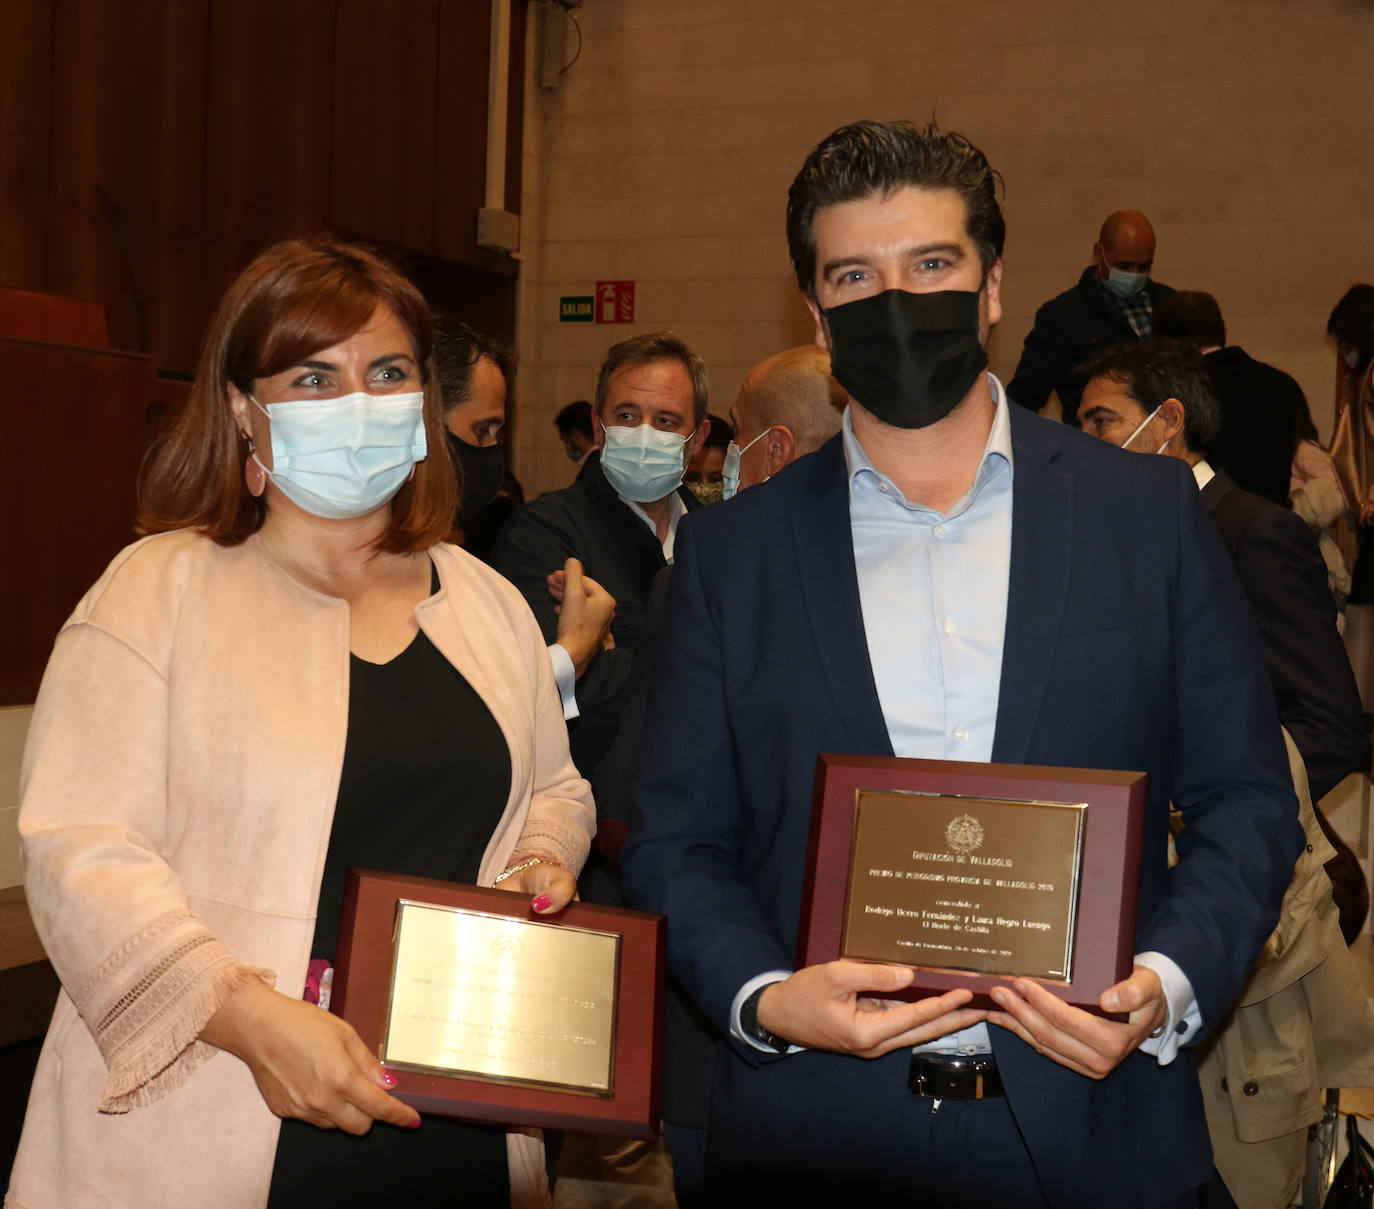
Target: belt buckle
column 957, row 1073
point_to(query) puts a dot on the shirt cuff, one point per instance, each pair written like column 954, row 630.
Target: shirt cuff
column 1185, row 1018
column 756, row 983
column 565, row 676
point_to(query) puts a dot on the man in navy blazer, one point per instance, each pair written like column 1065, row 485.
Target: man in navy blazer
column 949, row 576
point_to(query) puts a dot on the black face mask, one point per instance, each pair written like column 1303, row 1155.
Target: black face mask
column 481, row 471
column 907, row 358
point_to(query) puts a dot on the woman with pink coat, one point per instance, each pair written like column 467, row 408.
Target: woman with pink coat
column 292, row 674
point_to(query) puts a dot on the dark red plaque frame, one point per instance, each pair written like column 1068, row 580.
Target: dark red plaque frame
column 362, row 976
column 1109, row 881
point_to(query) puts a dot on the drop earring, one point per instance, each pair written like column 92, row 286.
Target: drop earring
column 253, row 473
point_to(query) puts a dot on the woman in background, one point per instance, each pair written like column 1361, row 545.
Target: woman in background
column 292, row 675
column 1351, row 325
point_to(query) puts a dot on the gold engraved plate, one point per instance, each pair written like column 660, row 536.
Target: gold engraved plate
column 987, row 885
column 510, row 1000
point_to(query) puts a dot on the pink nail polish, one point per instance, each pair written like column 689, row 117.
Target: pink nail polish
column 542, row 902
column 415, row 1124
column 388, row 1079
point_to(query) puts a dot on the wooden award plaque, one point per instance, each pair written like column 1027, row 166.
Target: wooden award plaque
column 975, row 874
column 487, row 1011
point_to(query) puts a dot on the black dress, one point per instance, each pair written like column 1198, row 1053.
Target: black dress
column 426, row 775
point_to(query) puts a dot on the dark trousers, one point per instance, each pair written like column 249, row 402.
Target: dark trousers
column 687, row 1146
column 915, row 1152
column 950, row 1154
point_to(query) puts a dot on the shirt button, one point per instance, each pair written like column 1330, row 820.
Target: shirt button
column 883, row 488
column 1251, row 1088
column 939, row 530
column 950, row 627
column 960, row 734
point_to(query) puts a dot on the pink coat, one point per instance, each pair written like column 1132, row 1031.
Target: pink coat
column 177, row 794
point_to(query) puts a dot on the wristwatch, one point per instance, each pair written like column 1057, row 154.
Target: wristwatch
column 750, row 1026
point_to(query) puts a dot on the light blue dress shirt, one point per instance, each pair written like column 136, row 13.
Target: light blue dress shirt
column 933, row 589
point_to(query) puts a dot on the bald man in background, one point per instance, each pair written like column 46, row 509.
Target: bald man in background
column 1113, row 301
column 788, row 405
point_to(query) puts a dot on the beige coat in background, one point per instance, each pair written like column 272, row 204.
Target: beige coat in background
column 178, row 790
column 1301, row 1024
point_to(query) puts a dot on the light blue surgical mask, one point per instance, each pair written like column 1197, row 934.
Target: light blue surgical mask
column 344, row 457
column 1124, row 285
column 644, row 463
column 730, row 471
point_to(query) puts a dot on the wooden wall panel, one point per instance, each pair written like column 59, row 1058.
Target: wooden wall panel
column 460, row 115
column 216, row 126
column 268, row 129
column 461, row 125
column 68, row 468
column 213, row 127
column 129, row 116
column 25, row 118
column 385, row 64
column 515, row 108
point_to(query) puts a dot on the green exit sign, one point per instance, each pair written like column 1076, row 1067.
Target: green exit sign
column 577, row 308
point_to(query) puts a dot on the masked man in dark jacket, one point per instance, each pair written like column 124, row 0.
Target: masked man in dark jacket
column 1114, row 300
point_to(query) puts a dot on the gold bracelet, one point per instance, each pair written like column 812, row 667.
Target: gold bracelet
column 514, row 869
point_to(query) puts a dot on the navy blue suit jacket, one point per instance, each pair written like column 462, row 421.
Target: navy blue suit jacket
column 1128, row 645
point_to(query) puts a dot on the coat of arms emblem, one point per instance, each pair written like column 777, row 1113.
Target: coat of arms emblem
column 964, row 834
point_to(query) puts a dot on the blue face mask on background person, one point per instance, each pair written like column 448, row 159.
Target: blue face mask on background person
column 642, row 463
column 341, row 458
column 729, row 473
column 1124, row 285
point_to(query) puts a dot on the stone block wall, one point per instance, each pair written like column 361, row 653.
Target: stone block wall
column 1243, row 128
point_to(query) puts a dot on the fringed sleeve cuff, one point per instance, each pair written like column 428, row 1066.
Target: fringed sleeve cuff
column 148, row 1002
column 552, row 843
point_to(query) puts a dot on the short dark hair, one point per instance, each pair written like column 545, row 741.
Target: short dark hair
column 865, row 158
column 645, row 350
column 1151, row 371
column 457, row 349
column 721, row 434
column 576, row 417
column 1192, row 316
column 1352, row 322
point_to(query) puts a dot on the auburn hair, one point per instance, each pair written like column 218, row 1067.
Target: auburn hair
column 296, row 298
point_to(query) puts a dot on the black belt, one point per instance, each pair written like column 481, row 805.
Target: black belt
column 945, row 1077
